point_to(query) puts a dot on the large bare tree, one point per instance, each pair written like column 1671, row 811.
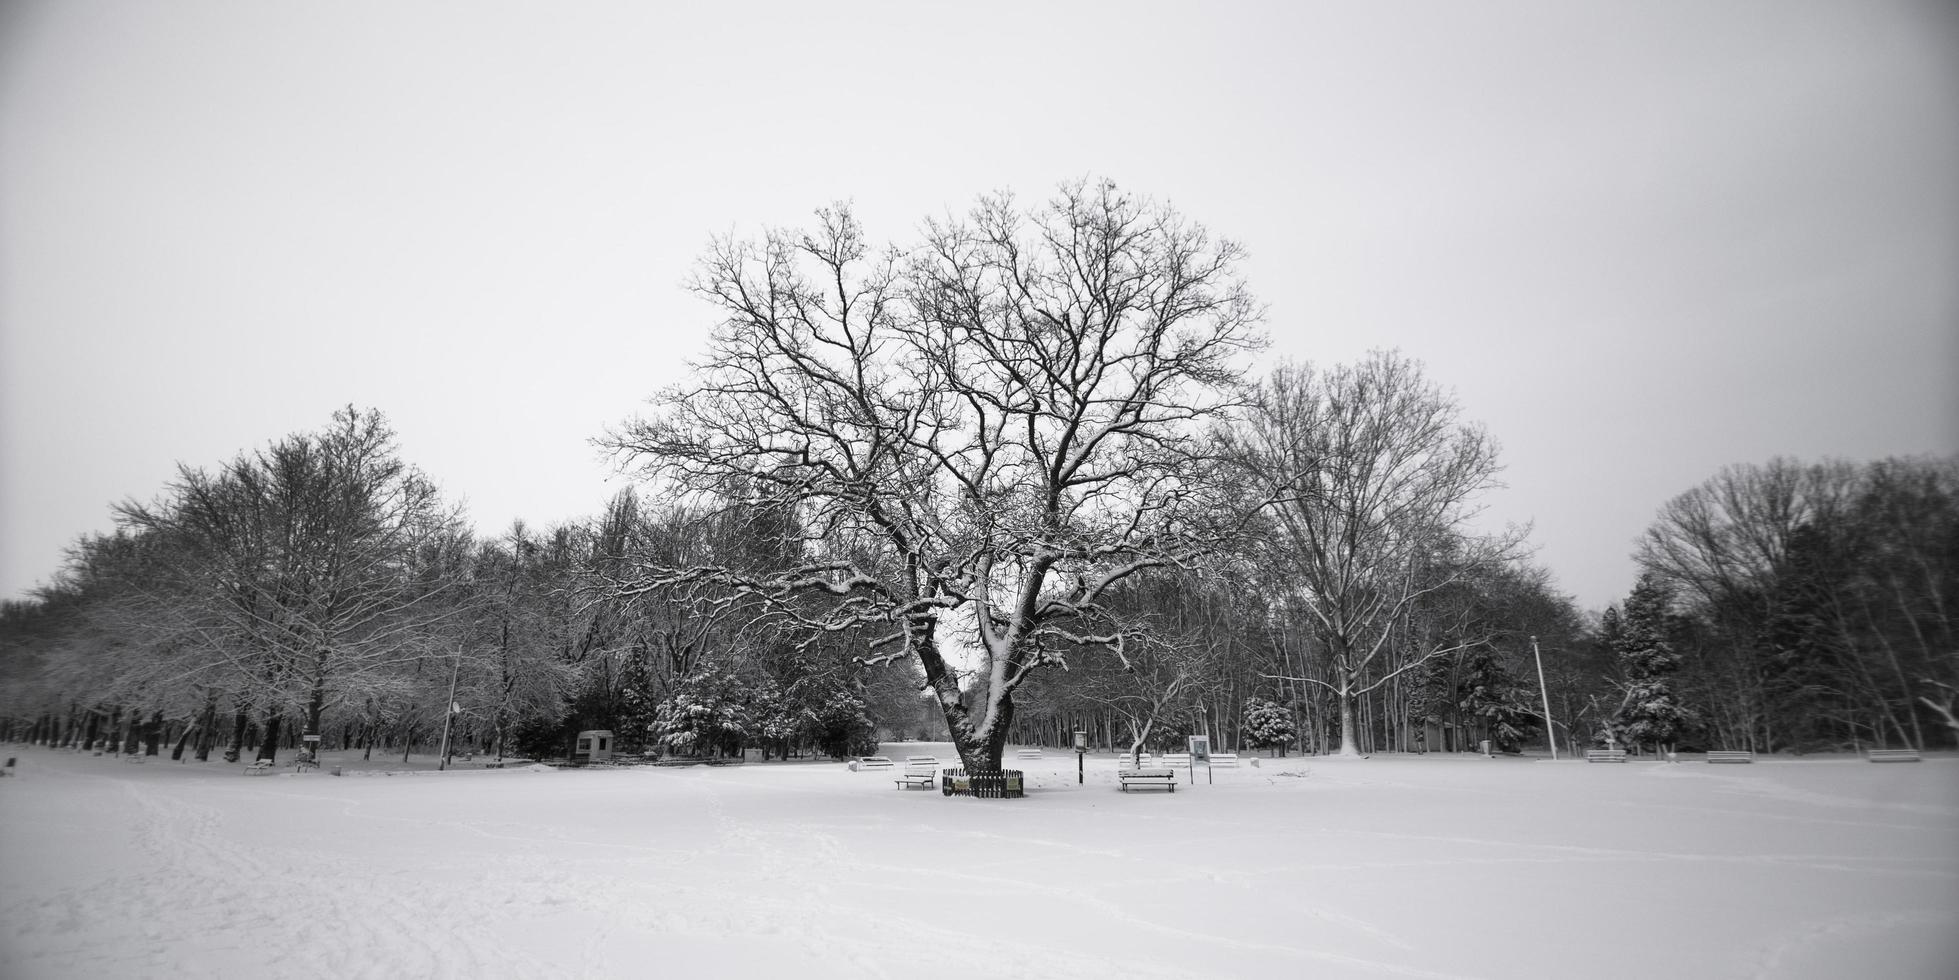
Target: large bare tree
column 978, row 435
column 1376, row 476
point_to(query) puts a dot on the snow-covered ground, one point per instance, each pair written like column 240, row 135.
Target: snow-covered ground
column 1399, row 867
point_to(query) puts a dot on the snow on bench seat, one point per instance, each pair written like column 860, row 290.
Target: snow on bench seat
column 1730, row 755
column 1605, row 755
column 870, row 762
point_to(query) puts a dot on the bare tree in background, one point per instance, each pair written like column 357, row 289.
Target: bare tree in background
column 306, row 563
column 977, row 436
column 1820, row 594
column 1376, row 475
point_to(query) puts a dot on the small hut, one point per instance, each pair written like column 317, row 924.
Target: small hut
column 592, row 746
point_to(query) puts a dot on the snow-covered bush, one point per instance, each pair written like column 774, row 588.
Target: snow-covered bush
column 1267, row 725
column 709, row 714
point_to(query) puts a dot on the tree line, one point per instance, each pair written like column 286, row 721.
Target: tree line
column 1011, row 480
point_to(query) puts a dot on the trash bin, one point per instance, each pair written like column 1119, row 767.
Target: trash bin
column 1484, row 746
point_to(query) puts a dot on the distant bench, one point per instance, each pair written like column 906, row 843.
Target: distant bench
column 1729, row 755
column 1147, row 777
column 1224, row 760
column 1892, row 755
column 1605, row 755
column 1028, row 754
column 870, row 762
column 1177, row 760
column 921, row 772
column 262, row 767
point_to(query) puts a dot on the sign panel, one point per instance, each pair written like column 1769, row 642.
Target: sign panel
column 1200, row 749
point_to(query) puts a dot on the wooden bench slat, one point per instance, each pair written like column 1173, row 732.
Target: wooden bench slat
column 1147, row 777
column 1605, row 755
column 1730, row 755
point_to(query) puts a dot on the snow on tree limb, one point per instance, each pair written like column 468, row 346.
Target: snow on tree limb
column 1001, row 418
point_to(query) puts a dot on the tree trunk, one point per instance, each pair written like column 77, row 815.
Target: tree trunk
column 979, row 751
column 268, row 747
column 207, row 729
column 1348, row 746
column 315, row 706
column 236, row 748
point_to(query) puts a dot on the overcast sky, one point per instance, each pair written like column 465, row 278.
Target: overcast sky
column 1640, row 241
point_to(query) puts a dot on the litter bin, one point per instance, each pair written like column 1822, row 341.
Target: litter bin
column 1484, row 746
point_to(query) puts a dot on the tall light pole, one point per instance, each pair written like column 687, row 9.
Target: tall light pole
column 449, row 712
column 1550, row 730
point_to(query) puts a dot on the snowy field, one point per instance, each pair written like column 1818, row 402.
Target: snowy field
column 1395, row 867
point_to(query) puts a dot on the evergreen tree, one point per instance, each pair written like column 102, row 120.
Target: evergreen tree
column 1490, row 693
column 1804, row 665
column 1649, row 712
column 709, row 715
column 838, row 725
column 775, row 720
column 1267, row 725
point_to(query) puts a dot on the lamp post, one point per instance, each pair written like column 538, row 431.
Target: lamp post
column 449, row 712
column 1550, row 730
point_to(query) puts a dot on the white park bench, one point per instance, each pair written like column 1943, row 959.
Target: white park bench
column 1892, row 755
column 870, row 762
column 1028, row 754
column 1605, row 755
column 1127, row 761
column 260, row 768
column 1224, row 760
column 1730, row 755
column 1147, row 777
column 921, row 772
column 1177, row 760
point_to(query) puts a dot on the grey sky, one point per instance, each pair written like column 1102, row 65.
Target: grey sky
column 1641, row 241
